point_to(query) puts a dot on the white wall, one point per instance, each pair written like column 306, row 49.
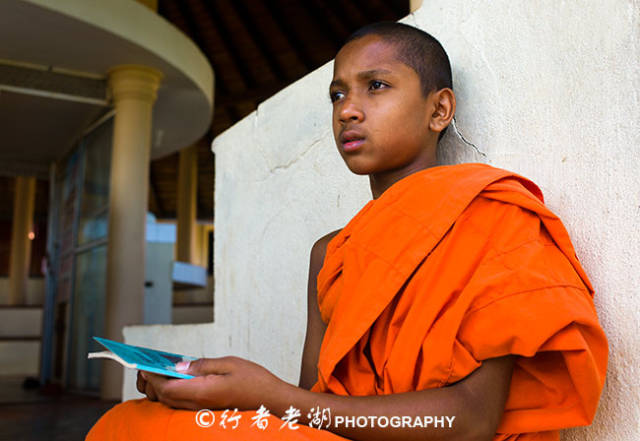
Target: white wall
column 550, row 89
column 547, row 89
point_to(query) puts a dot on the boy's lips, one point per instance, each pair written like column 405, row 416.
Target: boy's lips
column 351, row 140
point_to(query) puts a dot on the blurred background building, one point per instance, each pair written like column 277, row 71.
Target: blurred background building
column 107, row 113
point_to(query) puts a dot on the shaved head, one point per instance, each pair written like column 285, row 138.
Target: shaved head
column 415, row 48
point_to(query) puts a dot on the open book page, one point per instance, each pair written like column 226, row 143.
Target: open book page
column 144, row 359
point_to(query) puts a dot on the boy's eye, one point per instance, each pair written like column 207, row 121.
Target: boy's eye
column 335, row 96
column 375, row 84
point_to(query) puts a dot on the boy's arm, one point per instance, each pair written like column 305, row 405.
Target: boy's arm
column 477, row 402
column 473, row 406
column 315, row 326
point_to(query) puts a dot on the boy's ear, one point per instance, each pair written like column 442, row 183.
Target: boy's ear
column 443, row 103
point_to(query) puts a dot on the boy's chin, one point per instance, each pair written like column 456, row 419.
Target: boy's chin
column 359, row 169
column 359, row 166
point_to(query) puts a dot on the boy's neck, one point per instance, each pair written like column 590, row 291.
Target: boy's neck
column 380, row 182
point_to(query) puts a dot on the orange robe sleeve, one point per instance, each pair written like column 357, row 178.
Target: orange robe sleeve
column 528, row 300
column 451, row 266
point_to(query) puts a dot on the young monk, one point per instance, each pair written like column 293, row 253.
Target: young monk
column 454, row 293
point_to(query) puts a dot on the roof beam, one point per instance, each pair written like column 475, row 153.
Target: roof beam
column 229, row 42
column 179, row 12
column 333, row 28
column 285, row 25
column 259, row 39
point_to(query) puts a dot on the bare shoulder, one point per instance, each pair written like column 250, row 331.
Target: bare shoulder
column 315, row 326
column 319, row 248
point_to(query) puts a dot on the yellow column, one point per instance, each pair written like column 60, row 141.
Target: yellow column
column 187, row 203
column 151, row 4
column 201, row 245
column 414, row 5
column 203, row 239
column 133, row 89
column 24, row 200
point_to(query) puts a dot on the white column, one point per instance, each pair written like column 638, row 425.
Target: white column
column 23, row 204
column 134, row 91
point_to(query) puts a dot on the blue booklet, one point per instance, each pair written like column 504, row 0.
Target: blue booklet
column 140, row 358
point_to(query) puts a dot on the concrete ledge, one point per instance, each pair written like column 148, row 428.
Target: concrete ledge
column 17, row 321
column 186, row 314
column 19, row 357
column 35, row 292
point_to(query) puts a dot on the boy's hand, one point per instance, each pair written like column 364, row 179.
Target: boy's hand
column 219, row 383
column 144, row 387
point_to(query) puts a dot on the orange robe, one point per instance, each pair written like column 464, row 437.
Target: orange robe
column 450, row 266
column 144, row 420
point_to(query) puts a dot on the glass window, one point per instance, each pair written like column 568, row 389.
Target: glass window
column 94, row 214
column 89, row 300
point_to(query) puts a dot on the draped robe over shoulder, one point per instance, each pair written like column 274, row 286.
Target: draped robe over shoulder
column 453, row 265
column 450, row 266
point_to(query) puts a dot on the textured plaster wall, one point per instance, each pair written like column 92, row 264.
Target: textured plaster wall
column 551, row 90
column 547, row 89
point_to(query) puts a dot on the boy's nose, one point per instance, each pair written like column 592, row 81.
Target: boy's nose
column 350, row 111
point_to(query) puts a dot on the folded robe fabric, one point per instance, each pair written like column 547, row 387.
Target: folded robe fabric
column 453, row 265
column 450, row 266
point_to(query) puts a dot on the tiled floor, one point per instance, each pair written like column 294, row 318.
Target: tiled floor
column 26, row 415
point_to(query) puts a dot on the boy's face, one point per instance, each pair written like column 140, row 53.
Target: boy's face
column 380, row 117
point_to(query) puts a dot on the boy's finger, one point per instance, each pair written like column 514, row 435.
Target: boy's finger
column 198, row 390
column 207, row 366
column 141, row 383
column 150, row 393
column 164, row 388
column 180, row 404
column 156, row 381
